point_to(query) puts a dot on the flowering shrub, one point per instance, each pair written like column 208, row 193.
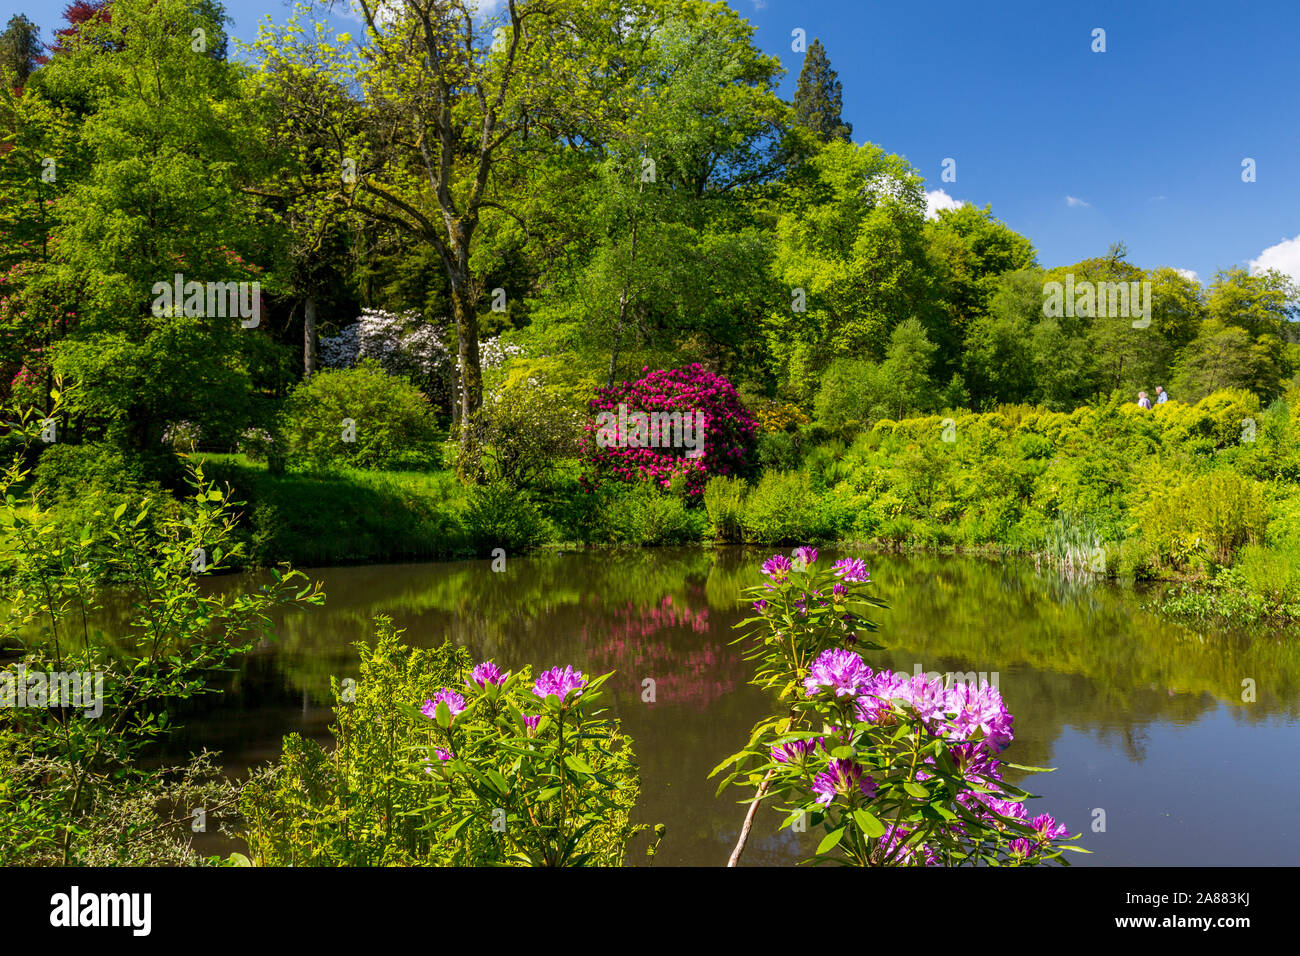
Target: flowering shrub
column 775, row 416
column 437, row 761
column 897, row 769
column 626, row 455
column 531, row 763
column 183, row 436
column 404, row 345
column 400, row 343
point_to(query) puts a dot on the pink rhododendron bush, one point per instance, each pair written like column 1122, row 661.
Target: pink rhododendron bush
column 889, row 769
column 683, row 424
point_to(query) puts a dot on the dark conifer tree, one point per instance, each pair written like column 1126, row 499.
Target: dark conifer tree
column 817, row 101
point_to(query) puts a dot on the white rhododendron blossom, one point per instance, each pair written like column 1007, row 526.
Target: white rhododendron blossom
column 399, row 342
column 403, row 345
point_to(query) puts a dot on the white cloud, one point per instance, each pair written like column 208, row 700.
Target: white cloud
column 936, row 199
column 1284, row 257
column 1074, row 201
column 1188, row 274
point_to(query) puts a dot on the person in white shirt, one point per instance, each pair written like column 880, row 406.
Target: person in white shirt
column 1161, row 395
column 1143, row 401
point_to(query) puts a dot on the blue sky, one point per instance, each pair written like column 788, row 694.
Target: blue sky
column 1143, row 143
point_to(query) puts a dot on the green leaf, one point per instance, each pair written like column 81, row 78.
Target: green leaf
column 868, row 824
column 916, row 790
column 577, row 764
column 831, row 840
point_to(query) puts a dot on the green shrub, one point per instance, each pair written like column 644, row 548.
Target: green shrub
column 498, row 515
column 392, row 422
column 1270, row 573
column 655, row 517
column 1215, row 514
column 345, row 807
column 782, row 510
column 520, row 435
column 724, row 501
column 778, row 451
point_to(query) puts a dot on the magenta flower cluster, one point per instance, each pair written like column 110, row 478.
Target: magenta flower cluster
column 561, row 683
column 454, row 701
column 728, row 437
column 487, row 673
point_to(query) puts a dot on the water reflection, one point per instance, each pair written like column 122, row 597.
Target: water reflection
column 1145, row 719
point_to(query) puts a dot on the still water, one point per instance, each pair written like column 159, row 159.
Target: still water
column 1159, row 758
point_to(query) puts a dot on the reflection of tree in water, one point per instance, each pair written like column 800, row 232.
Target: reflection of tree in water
column 667, row 642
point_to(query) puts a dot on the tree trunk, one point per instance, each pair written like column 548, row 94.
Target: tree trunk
column 471, row 376
column 309, row 337
column 622, row 306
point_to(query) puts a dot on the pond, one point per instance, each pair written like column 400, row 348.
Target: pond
column 1162, row 755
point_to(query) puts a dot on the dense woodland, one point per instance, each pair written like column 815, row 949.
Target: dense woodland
column 466, row 233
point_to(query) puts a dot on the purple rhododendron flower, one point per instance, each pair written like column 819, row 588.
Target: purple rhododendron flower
column 840, row 779
column 1021, row 847
column 487, row 673
column 531, row 721
column 981, row 710
column 560, row 683
column 1048, row 828
column 443, row 755
column 898, row 850
column 777, row 567
column 797, row 751
column 873, row 706
column 455, row 703
column 759, row 606
column 851, row 569
column 841, row 670
column 805, row 554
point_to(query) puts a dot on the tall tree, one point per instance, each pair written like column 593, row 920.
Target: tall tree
column 153, row 191
column 20, row 48
column 818, row 98
column 448, row 101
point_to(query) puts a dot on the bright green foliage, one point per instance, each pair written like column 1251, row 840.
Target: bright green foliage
column 557, row 794
column 1211, row 515
column 500, row 515
column 355, row 805
column 724, row 501
column 75, row 790
column 850, row 238
column 782, row 509
column 478, row 787
column 391, row 421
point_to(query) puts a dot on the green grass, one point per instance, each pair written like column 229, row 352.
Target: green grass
column 347, row 517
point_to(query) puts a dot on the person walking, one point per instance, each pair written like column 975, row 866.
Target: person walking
column 1161, row 395
column 1143, row 401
